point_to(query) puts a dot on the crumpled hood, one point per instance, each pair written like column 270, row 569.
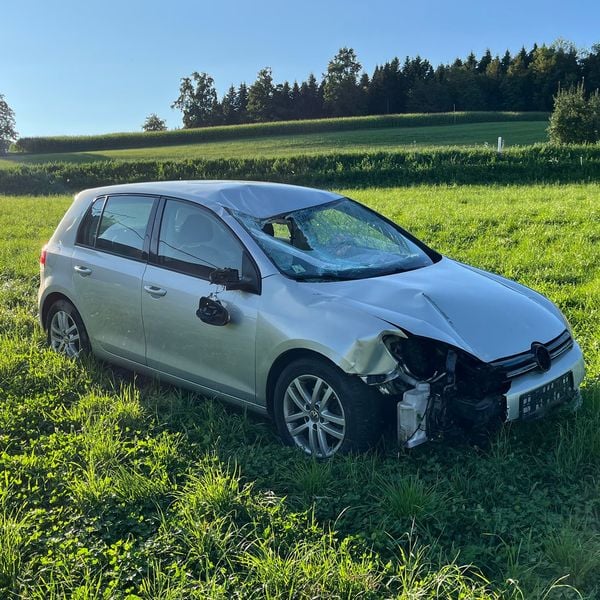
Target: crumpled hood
column 484, row 314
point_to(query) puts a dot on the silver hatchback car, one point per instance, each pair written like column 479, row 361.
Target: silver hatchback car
column 304, row 305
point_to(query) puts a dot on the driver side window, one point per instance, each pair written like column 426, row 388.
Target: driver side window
column 193, row 241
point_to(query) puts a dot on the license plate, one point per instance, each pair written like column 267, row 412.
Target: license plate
column 554, row 392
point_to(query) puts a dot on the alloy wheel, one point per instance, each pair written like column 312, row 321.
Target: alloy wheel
column 314, row 416
column 64, row 334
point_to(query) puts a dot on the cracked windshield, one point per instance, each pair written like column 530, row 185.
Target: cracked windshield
column 339, row 240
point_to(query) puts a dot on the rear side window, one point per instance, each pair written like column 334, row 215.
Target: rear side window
column 122, row 226
column 89, row 225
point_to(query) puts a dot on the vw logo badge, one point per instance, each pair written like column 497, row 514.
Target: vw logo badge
column 542, row 356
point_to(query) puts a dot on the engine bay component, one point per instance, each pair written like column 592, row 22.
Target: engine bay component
column 412, row 413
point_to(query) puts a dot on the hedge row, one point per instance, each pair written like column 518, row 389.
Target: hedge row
column 539, row 163
column 115, row 141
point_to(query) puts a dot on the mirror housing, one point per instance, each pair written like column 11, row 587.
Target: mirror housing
column 230, row 279
column 212, row 312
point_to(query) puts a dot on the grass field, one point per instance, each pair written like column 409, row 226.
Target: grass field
column 514, row 133
column 112, row 486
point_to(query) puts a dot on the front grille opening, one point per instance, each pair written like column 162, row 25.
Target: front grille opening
column 524, row 362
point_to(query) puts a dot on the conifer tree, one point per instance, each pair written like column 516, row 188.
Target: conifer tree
column 228, row 107
column 241, row 103
column 260, row 97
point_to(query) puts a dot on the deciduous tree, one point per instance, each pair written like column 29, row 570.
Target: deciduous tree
column 154, row 123
column 341, row 90
column 8, row 133
column 575, row 119
column 197, row 99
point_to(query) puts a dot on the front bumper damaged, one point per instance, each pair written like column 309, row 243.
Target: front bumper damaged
column 569, row 362
column 462, row 399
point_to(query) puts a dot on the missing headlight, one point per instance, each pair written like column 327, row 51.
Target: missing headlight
column 466, row 396
column 421, row 358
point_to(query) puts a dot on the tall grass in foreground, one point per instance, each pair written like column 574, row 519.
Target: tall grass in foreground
column 114, row 487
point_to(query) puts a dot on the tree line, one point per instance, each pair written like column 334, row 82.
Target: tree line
column 525, row 81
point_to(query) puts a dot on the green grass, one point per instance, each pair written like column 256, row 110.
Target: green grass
column 456, row 165
column 515, row 133
column 112, row 485
column 114, row 141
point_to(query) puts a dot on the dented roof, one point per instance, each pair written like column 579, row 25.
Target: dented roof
column 258, row 199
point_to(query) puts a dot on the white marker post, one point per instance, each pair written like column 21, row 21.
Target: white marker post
column 500, row 145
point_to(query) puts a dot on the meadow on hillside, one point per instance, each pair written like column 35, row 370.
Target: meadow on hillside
column 271, row 145
column 112, row 486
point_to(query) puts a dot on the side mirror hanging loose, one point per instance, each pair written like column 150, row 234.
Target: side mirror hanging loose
column 212, row 312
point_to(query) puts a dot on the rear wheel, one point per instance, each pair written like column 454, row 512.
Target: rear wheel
column 66, row 332
column 323, row 411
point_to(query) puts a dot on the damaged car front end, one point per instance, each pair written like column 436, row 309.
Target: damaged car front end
column 456, row 351
column 442, row 391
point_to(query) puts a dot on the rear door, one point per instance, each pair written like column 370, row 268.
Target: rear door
column 191, row 242
column 108, row 265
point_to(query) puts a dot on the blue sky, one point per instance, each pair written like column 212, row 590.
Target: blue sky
column 77, row 67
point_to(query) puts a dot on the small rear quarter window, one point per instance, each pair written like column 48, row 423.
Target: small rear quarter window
column 86, row 235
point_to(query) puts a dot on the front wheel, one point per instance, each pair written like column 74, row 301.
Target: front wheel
column 66, row 332
column 324, row 411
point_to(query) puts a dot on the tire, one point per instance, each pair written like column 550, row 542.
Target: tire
column 323, row 411
column 65, row 330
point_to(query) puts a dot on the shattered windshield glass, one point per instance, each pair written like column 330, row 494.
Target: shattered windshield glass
column 333, row 241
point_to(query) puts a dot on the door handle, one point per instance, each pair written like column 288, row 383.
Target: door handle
column 155, row 291
column 83, row 271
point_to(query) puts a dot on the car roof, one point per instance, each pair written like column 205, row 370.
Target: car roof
column 259, row 199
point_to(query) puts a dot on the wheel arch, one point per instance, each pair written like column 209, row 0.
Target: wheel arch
column 49, row 300
column 281, row 362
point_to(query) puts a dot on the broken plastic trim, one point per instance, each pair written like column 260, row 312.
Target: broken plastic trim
column 420, row 360
column 402, row 371
column 387, row 377
column 466, row 396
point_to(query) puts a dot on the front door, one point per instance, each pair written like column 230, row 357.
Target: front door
column 192, row 242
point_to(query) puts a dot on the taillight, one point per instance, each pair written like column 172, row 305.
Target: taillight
column 43, row 257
